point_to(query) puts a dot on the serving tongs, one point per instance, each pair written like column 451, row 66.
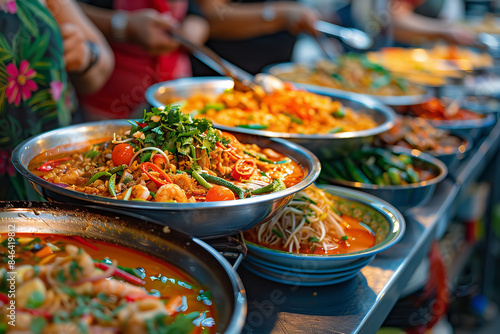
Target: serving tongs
column 353, row 37
column 243, row 81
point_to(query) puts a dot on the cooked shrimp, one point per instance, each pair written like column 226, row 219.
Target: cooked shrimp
column 72, row 175
column 140, row 192
column 117, row 288
column 171, row 192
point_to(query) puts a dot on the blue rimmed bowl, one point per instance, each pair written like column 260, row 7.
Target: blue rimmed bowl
column 382, row 218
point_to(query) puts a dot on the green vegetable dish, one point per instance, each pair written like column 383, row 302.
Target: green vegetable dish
column 377, row 166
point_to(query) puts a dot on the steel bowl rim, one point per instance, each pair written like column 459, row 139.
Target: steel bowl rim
column 309, row 179
column 426, row 157
column 397, row 224
column 391, row 100
column 365, row 100
column 469, row 124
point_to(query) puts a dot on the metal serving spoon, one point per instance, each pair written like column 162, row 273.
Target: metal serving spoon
column 243, row 81
column 352, row 37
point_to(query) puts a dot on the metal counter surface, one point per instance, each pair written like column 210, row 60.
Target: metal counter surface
column 362, row 304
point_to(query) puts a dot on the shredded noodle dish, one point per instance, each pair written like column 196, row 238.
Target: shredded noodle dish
column 313, row 224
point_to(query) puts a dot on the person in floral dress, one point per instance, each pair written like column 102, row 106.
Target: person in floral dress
column 39, row 53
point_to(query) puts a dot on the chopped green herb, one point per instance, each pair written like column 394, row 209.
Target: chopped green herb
column 35, row 300
column 38, row 324
column 313, row 239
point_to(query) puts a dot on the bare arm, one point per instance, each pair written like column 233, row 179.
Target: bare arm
column 76, row 30
column 411, row 27
column 245, row 20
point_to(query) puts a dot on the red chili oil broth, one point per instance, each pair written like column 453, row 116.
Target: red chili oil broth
column 126, row 257
column 359, row 238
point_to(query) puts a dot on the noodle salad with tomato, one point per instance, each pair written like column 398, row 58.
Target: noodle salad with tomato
column 170, row 157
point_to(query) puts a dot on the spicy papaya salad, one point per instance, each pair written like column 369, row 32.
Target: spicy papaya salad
column 170, row 157
column 287, row 110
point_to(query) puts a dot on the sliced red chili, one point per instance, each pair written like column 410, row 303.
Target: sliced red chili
column 159, row 180
column 120, row 273
column 142, row 125
column 243, row 169
column 49, row 165
column 159, row 160
column 4, row 298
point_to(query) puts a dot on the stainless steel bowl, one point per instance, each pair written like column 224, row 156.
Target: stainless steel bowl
column 325, row 146
column 450, row 159
column 209, row 219
column 401, row 100
column 312, row 269
column 190, row 255
column 403, row 197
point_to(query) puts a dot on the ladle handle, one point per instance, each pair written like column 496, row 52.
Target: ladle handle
column 212, row 59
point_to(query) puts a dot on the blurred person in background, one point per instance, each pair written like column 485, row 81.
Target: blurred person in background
column 46, row 49
column 145, row 53
column 252, row 34
column 417, row 21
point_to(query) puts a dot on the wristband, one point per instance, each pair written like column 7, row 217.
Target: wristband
column 119, row 22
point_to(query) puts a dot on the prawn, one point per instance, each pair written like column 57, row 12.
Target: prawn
column 140, row 192
column 171, row 192
column 117, row 288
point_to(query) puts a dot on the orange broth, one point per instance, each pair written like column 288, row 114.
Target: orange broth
column 160, row 275
column 360, row 238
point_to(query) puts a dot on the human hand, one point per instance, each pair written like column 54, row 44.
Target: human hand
column 149, row 29
column 298, row 18
column 459, row 35
column 76, row 51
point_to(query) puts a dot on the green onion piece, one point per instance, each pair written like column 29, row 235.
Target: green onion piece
column 339, row 113
column 264, row 159
column 313, row 239
column 201, row 180
column 221, row 182
column 345, row 237
column 335, row 129
column 127, row 194
column 214, row 105
column 276, row 185
column 294, row 118
column 278, row 233
column 253, row 126
column 91, row 154
column 111, row 185
column 97, row 176
column 146, row 157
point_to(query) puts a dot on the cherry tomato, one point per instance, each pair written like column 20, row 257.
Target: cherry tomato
column 243, row 169
column 219, row 193
column 122, row 153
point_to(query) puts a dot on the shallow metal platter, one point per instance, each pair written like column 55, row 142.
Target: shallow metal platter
column 209, row 219
column 402, row 100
